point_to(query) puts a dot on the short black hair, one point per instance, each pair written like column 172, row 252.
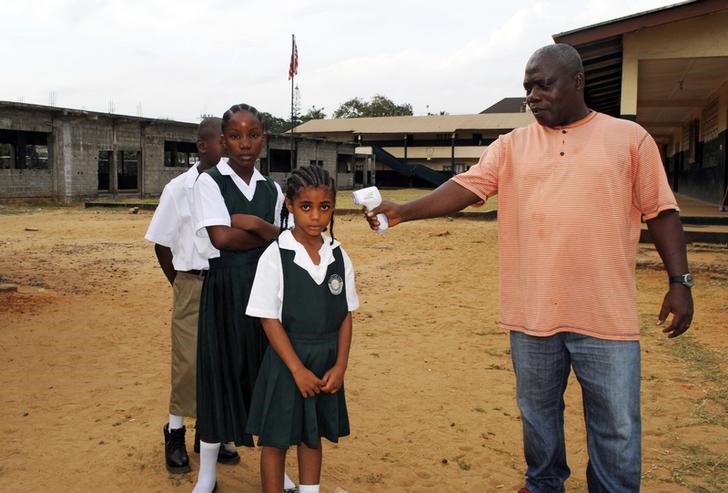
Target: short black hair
column 308, row 176
column 210, row 126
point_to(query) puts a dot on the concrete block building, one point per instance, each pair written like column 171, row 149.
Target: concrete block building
column 419, row 150
column 69, row 155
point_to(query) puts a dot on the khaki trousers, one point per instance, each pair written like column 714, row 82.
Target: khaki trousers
column 185, row 307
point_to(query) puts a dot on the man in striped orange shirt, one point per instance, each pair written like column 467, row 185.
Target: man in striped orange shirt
column 573, row 189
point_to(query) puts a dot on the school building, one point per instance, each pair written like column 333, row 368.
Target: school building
column 69, row 155
column 421, row 150
column 666, row 68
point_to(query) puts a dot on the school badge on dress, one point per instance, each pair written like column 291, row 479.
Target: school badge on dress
column 336, row 284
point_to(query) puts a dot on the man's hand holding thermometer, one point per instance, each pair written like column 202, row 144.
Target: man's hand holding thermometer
column 371, row 198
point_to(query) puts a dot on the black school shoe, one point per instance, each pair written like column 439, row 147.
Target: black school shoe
column 175, row 451
column 224, row 456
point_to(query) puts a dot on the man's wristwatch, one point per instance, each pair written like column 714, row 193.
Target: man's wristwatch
column 685, row 280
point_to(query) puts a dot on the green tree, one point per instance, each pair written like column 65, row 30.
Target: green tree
column 383, row 106
column 378, row 106
column 313, row 113
column 353, row 108
column 275, row 125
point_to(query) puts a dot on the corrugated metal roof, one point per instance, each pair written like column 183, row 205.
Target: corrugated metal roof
column 417, row 124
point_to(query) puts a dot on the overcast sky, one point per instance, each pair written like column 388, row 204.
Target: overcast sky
column 180, row 59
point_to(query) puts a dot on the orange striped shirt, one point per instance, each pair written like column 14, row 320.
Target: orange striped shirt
column 570, row 203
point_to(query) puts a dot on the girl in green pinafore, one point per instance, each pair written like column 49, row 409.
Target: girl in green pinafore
column 304, row 293
column 239, row 208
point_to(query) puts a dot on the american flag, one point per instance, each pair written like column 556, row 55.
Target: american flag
column 293, row 67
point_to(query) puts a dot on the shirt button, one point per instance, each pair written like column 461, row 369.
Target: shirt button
column 562, row 153
column 563, row 131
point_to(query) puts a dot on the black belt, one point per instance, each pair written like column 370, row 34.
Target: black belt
column 195, row 272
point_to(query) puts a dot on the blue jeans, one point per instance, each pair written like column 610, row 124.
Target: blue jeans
column 609, row 374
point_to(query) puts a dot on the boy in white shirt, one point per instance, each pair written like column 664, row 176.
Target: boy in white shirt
column 183, row 257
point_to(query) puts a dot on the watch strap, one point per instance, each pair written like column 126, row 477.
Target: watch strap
column 685, row 279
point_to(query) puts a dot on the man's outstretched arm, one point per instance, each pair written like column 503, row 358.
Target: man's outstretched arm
column 445, row 199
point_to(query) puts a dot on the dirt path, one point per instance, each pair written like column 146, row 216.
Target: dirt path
column 84, row 348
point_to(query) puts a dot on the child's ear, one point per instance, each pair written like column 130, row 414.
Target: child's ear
column 289, row 205
column 201, row 146
column 223, row 146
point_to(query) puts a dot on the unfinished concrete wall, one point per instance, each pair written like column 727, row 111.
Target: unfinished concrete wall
column 312, row 151
column 156, row 174
column 27, row 182
column 76, row 139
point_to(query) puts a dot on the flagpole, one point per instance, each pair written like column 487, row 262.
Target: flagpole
column 293, row 76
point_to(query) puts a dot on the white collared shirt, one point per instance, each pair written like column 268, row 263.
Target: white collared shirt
column 210, row 208
column 172, row 225
column 266, row 295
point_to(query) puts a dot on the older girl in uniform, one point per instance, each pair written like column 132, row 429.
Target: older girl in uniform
column 238, row 207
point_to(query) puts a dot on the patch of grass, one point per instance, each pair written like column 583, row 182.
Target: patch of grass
column 148, row 201
column 26, row 206
column 694, row 466
column 699, row 462
column 706, row 362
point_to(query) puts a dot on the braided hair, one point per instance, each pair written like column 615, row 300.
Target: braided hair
column 242, row 107
column 307, row 176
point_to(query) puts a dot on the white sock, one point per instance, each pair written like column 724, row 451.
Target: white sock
column 176, row 422
column 288, row 484
column 208, row 467
column 308, row 488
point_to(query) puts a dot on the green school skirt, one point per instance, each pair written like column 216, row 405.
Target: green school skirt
column 230, row 347
column 280, row 415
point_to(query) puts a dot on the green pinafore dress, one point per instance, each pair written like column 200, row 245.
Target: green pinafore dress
column 230, row 345
column 311, row 316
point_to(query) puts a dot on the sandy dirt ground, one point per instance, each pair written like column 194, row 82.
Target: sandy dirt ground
column 84, row 351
